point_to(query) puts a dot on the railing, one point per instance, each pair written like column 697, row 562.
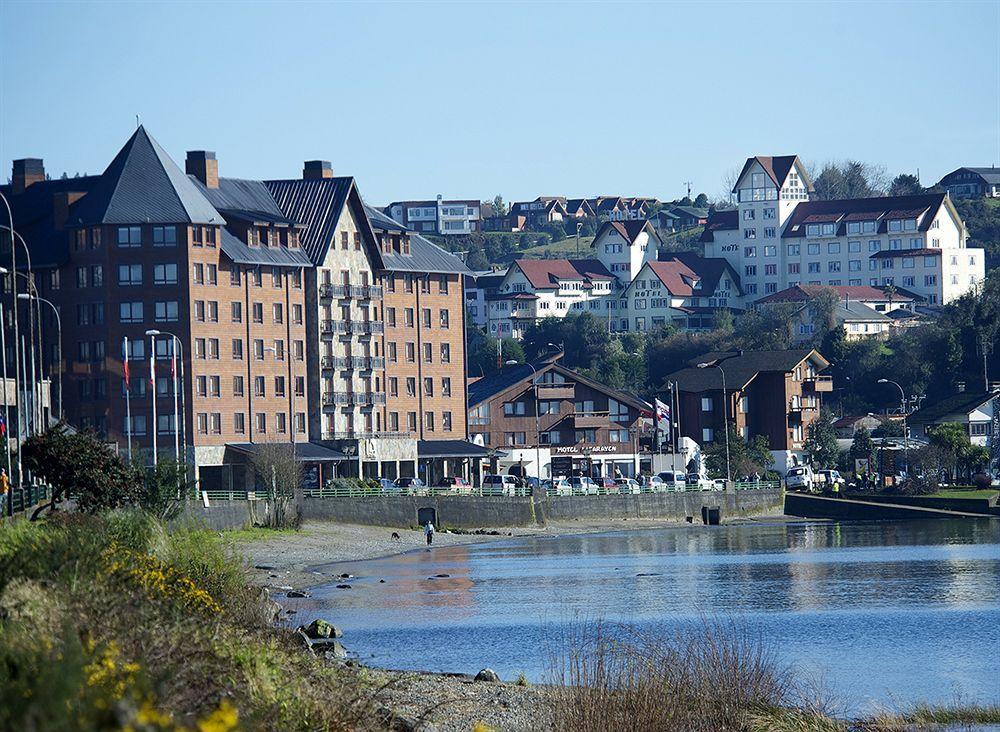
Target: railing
column 365, row 292
column 23, row 499
column 819, row 383
column 331, row 290
column 365, row 363
column 336, row 397
column 364, row 327
column 334, row 326
column 365, row 435
column 757, row 485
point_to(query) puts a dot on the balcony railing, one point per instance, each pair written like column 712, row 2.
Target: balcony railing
column 328, row 290
column 361, row 327
column 334, row 326
column 331, row 398
column 361, row 292
column 365, row 363
column 365, row 292
column 819, row 383
column 365, row 435
column 555, row 391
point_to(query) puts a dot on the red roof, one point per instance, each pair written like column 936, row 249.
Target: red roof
column 676, row 276
column 801, row 293
column 545, row 274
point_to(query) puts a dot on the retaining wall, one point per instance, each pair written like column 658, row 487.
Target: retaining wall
column 969, row 505
column 809, row 506
column 221, row 515
column 478, row 511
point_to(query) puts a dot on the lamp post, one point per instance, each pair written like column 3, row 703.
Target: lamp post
column 6, row 404
column 17, row 339
column 906, row 432
column 34, row 329
column 55, row 310
column 538, row 429
column 579, row 225
column 725, row 408
column 180, row 427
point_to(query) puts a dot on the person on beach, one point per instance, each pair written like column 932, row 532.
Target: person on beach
column 429, row 532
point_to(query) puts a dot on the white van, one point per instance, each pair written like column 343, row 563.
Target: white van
column 673, row 480
column 499, row 485
column 800, row 478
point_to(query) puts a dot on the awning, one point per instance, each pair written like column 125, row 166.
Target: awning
column 428, row 449
column 306, row 452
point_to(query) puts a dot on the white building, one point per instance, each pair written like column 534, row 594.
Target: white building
column 777, row 238
column 624, row 246
column 973, row 410
column 438, row 216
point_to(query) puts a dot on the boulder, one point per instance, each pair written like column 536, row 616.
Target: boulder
column 487, row 674
column 329, row 648
column 296, row 593
column 343, row 587
column 320, row 628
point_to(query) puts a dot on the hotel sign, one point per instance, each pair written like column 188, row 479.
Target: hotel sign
column 595, row 449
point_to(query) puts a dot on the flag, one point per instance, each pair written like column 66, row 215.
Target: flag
column 152, row 366
column 3, row 426
column 127, row 387
column 663, row 417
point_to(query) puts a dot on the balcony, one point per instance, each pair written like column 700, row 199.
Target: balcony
column 818, row 384
column 590, row 419
column 334, row 362
column 364, row 328
column 334, row 326
column 365, row 363
column 365, row 435
column 365, row 292
column 333, row 398
column 555, row 391
column 328, row 290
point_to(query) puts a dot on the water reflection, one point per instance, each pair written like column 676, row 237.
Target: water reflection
column 907, row 608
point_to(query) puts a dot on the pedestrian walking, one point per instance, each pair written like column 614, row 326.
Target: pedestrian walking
column 4, row 490
column 429, row 532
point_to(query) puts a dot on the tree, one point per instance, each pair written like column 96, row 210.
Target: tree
column 744, row 458
column 821, row 443
column 278, row 472
column 78, row 463
column 821, row 309
column 499, row 207
column 701, row 201
column 850, row 179
column 165, row 484
column 476, row 260
column 484, row 353
column 905, row 184
column 888, row 429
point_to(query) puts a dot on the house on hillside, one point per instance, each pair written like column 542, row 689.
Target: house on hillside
column 975, row 411
column 624, row 246
column 972, row 183
column 776, row 394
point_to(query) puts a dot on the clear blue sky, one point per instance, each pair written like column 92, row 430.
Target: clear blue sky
column 522, row 99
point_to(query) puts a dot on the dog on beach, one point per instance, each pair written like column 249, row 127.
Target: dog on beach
column 395, row 536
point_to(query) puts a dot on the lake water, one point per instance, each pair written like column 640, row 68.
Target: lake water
column 880, row 613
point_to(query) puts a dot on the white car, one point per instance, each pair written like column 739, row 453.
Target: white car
column 695, row 482
column 583, row 486
column 559, row 487
column 673, row 480
column 499, row 485
column 628, row 485
column 719, row 484
column 800, row 478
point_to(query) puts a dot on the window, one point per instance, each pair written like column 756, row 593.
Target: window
column 446, row 386
column 930, row 280
column 130, row 312
column 446, row 421
column 833, row 266
column 794, row 268
column 794, row 250
column 164, row 236
column 443, row 318
column 750, row 270
column 515, row 438
column 234, row 279
column 749, row 233
column 236, row 312
column 237, row 386
column 874, row 245
column 429, row 421
column 445, row 353
column 706, row 404
column 129, row 237
column 296, row 314
column 514, row 409
column 411, row 352
column 164, row 274
column 833, row 247
column 428, row 353
column 129, row 275
column 213, row 311
column 258, row 312
column 212, row 270
column 748, row 214
column 411, row 386
column 261, row 423
column 426, row 317
column 239, row 423
column 165, row 312
column 198, row 273
column 278, row 313
column 279, row 386
column 707, row 434
column 812, row 248
column 428, row 386
column 237, row 349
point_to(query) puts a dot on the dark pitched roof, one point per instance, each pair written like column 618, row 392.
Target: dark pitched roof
column 922, row 252
column 740, row 370
column 308, row 452
column 240, row 253
column 450, row 448
column 488, row 387
column 143, row 185
column 240, row 195
column 854, row 311
column 317, row 203
column 777, row 168
column 865, row 209
column 691, row 211
column 424, row 256
column 709, row 269
column 962, row 402
column 381, row 222
column 801, row 293
column 728, row 220
column 989, row 175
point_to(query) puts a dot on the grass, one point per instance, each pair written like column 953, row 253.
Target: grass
column 562, row 249
column 927, row 717
column 256, row 533
column 965, row 493
column 111, row 623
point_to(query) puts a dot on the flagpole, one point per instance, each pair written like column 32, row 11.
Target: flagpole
column 128, row 405
column 173, row 372
column 6, row 404
column 152, row 380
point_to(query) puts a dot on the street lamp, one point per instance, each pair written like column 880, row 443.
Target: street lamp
column 906, row 432
column 538, row 429
column 34, row 329
column 6, row 404
column 725, row 408
column 55, row 310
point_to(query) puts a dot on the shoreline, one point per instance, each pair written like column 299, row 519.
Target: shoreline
column 303, row 559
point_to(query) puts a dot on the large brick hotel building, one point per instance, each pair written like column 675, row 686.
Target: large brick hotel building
column 301, row 313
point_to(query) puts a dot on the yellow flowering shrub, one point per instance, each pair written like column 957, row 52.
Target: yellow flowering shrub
column 158, row 581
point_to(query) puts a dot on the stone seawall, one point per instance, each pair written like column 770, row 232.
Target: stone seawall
column 810, row 506
column 479, row 511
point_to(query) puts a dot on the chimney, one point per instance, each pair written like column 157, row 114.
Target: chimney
column 203, row 166
column 25, row 172
column 960, row 386
column 316, row 169
column 60, row 206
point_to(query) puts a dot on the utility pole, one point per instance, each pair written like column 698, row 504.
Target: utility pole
column 986, row 348
column 688, row 183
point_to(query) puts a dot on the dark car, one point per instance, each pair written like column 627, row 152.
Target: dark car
column 454, row 483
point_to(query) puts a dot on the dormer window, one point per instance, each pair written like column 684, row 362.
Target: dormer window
column 262, row 236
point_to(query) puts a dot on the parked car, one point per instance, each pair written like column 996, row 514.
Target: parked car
column 628, row 485
column 609, row 485
column 652, row 484
column 719, row 484
column 499, row 485
column 456, row 484
column 799, row 478
column 410, row 485
column 695, row 482
column 673, row 480
column 583, row 486
column 559, row 487
column 388, row 485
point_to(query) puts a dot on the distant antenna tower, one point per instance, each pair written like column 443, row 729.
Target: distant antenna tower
column 688, row 183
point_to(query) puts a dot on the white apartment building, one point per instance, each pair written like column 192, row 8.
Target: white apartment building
column 438, row 216
column 777, row 238
column 684, row 291
column 534, row 289
column 624, row 246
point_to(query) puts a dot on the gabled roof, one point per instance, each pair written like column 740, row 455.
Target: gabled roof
column 629, row 230
column 710, row 270
column 575, row 204
column 989, row 175
column 691, row 211
column 740, row 370
column 677, row 277
column 801, row 293
column 880, row 209
column 777, row 168
column 962, row 402
column 727, row 220
column 317, row 203
column 424, row 256
column 142, row 185
column 486, row 388
column 545, row 274
column 856, row 312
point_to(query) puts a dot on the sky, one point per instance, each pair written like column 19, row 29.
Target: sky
column 471, row 100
